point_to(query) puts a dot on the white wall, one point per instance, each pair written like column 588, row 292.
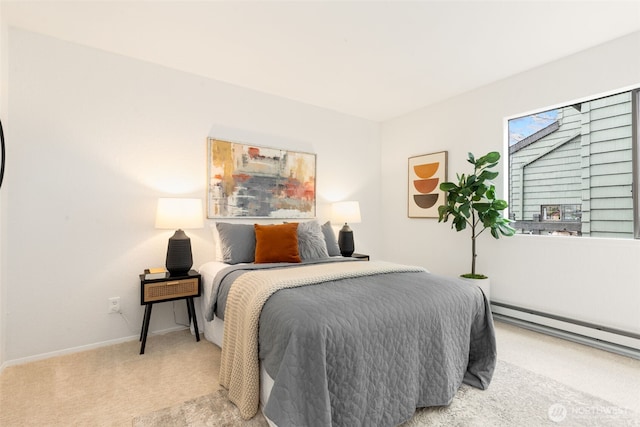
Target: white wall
column 96, row 138
column 594, row 280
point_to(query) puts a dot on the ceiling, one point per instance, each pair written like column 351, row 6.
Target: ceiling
column 375, row 60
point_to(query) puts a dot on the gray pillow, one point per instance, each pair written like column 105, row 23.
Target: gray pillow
column 237, row 242
column 311, row 243
column 330, row 238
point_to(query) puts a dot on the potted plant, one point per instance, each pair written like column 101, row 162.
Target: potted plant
column 472, row 202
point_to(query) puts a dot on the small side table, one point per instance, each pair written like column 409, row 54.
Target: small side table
column 169, row 288
column 360, row 256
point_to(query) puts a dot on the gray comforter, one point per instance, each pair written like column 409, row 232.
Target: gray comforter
column 368, row 351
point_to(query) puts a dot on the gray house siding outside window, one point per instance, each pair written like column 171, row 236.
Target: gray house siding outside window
column 574, row 177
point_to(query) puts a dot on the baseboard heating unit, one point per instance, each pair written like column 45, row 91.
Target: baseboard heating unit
column 609, row 339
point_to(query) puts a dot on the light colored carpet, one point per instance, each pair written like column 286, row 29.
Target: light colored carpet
column 110, row 386
column 516, row 397
column 214, row 409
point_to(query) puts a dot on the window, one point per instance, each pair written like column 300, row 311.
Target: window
column 560, row 213
column 572, row 168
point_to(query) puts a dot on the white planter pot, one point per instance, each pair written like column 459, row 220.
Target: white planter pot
column 484, row 284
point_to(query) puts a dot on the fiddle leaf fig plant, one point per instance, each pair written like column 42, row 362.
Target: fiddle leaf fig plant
column 472, row 202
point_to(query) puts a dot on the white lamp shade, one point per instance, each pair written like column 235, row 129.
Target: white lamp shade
column 175, row 213
column 344, row 212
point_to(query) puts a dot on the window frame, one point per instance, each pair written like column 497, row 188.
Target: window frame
column 635, row 149
column 635, row 137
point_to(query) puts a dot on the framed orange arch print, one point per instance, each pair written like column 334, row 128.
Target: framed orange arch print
column 426, row 173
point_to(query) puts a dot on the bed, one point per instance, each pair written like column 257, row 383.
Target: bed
column 323, row 340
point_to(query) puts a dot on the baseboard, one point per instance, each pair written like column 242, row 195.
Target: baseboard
column 81, row 348
column 608, row 339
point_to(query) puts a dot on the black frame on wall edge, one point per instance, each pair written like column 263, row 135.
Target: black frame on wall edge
column 2, row 154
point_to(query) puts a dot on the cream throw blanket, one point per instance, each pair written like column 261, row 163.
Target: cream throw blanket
column 240, row 367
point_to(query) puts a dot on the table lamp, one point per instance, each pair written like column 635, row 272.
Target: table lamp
column 346, row 212
column 177, row 213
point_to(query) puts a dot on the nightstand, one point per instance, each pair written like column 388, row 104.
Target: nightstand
column 169, row 288
column 360, row 256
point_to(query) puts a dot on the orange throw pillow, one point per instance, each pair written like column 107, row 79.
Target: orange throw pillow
column 277, row 243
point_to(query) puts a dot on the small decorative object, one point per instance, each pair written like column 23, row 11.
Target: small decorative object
column 155, row 273
column 425, row 173
column 346, row 212
column 179, row 213
column 472, row 201
column 251, row 181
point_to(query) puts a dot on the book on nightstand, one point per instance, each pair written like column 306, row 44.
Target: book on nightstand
column 155, row 273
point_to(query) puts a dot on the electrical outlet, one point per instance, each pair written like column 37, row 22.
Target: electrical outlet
column 114, row 305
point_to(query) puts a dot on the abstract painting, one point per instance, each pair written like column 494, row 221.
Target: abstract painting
column 247, row 180
column 426, row 173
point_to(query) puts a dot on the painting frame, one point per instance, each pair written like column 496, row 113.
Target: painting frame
column 254, row 181
column 425, row 174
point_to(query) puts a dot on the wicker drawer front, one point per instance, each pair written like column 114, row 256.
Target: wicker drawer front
column 167, row 290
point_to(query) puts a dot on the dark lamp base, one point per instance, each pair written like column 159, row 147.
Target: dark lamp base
column 345, row 241
column 179, row 258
